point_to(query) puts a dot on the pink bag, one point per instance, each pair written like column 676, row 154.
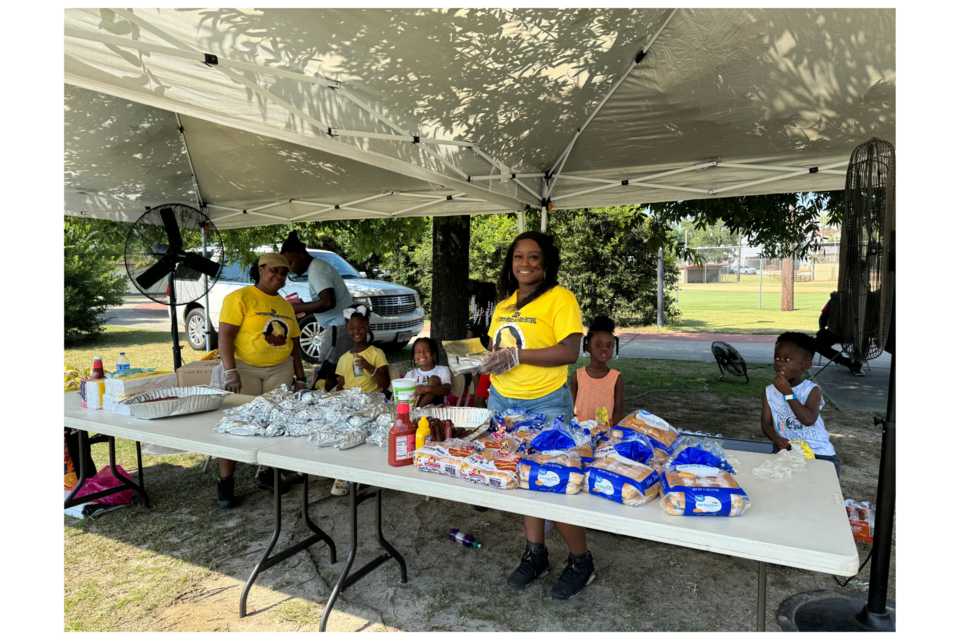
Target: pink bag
column 106, row 480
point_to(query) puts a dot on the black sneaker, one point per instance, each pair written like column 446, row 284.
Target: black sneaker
column 576, row 575
column 534, row 564
column 225, row 497
column 265, row 481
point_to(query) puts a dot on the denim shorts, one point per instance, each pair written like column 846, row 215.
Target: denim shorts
column 551, row 405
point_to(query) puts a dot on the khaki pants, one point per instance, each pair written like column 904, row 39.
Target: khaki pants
column 256, row 381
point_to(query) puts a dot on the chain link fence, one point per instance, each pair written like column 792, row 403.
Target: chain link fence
column 732, row 281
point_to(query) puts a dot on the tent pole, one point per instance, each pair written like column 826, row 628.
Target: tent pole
column 543, row 208
column 206, row 291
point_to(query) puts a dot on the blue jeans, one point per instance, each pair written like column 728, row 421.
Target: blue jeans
column 835, row 459
column 551, row 405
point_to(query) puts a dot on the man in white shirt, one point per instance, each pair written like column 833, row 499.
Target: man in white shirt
column 330, row 297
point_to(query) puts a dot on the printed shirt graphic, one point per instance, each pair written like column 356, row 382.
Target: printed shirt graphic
column 267, row 326
column 540, row 324
column 366, row 382
column 790, row 428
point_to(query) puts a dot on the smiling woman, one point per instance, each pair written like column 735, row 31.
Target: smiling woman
column 535, row 333
column 259, row 348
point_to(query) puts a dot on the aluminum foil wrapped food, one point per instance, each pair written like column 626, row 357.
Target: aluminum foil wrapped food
column 349, row 438
column 243, row 428
column 380, row 429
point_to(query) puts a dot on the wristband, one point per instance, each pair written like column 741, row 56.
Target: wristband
column 792, row 396
column 300, row 379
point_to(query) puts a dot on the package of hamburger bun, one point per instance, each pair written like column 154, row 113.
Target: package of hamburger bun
column 698, row 482
column 661, row 434
column 620, row 471
column 551, row 471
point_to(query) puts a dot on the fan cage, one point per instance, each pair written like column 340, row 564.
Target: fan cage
column 147, row 240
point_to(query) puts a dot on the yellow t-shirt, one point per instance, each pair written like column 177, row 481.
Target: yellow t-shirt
column 267, row 324
column 366, row 382
column 539, row 324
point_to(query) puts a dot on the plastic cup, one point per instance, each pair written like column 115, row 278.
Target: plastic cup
column 404, row 390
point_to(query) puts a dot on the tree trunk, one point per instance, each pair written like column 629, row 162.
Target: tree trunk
column 786, row 284
column 451, row 270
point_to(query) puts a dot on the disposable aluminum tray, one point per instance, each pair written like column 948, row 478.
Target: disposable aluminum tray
column 188, row 400
column 463, row 418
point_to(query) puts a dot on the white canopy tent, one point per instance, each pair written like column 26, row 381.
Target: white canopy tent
column 276, row 115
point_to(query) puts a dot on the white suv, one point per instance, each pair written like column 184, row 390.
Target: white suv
column 396, row 314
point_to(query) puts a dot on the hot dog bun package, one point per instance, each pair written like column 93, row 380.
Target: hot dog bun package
column 619, row 471
column 595, row 430
column 513, row 420
column 492, row 469
column 445, row 458
column 552, row 471
column 661, row 434
column 696, row 482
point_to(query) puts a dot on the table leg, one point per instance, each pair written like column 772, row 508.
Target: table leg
column 125, row 484
column 266, row 561
column 139, row 466
column 761, row 596
column 346, row 578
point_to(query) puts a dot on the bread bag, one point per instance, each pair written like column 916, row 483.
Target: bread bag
column 551, row 471
column 699, row 483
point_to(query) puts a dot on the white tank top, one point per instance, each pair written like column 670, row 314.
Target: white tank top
column 790, row 428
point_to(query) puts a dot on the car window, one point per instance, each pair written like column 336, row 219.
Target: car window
column 342, row 266
column 235, row 272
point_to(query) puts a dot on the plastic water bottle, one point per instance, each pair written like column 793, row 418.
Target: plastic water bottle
column 463, row 538
column 123, row 363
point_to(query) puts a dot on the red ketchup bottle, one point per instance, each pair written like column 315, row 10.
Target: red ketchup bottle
column 402, row 438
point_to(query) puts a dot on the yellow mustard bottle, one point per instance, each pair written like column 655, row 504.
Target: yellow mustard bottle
column 423, row 430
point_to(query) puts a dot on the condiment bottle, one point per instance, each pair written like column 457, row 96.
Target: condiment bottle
column 402, row 439
column 97, row 373
column 423, row 431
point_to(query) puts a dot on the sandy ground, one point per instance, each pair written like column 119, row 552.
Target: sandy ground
column 181, row 565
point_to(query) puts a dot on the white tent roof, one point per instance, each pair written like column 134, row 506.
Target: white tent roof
column 308, row 114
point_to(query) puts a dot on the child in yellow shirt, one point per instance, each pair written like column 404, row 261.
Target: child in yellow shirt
column 364, row 366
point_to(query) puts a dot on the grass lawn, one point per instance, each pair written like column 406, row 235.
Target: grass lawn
column 147, row 348
column 181, row 564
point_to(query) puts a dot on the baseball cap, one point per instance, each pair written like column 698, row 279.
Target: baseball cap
column 273, row 260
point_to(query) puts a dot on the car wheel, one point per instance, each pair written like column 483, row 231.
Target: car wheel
column 310, row 333
column 196, row 325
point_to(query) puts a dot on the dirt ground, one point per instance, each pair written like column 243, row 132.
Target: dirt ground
column 182, row 564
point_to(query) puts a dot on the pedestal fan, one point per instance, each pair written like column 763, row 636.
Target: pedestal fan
column 866, row 292
column 166, row 257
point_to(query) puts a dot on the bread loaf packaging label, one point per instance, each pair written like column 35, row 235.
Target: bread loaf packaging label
column 487, row 468
column 698, row 483
column 621, row 480
column 551, row 471
column 661, row 434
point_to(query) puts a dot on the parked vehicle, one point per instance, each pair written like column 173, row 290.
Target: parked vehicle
column 396, row 315
column 749, row 270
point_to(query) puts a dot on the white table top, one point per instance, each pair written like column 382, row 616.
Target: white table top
column 798, row 521
column 192, row 433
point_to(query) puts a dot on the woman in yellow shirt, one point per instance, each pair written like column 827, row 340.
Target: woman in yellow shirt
column 259, row 349
column 535, row 332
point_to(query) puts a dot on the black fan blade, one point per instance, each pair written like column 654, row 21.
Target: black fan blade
column 204, row 265
column 173, row 230
column 153, row 275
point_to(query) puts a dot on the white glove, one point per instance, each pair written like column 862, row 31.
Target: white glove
column 231, row 380
column 500, row 361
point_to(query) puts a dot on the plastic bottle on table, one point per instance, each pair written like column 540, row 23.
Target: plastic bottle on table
column 423, row 431
column 402, row 439
column 463, row 538
column 123, row 363
column 97, row 373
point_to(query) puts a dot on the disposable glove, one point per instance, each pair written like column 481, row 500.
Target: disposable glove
column 231, row 380
column 500, row 361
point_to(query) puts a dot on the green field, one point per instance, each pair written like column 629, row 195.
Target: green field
column 735, row 307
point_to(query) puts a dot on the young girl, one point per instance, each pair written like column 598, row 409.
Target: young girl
column 369, row 359
column 433, row 380
column 597, row 385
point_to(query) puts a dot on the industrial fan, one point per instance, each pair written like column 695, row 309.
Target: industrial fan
column 866, row 329
column 729, row 360
column 166, row 254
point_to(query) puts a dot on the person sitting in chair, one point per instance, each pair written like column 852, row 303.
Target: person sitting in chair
column 826, row 338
